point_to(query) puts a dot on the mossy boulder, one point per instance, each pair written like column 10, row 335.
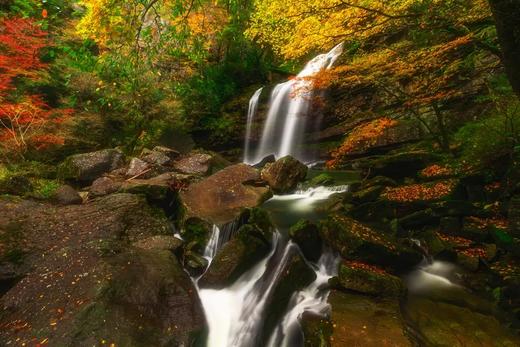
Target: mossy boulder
column 356, row 241
column 323, row 179
column 369, row 280
column 234, row 258
column 86, row 167
column 307, row 236
column 284, row 174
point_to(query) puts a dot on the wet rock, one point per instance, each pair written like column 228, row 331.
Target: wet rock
column 294, row 276
column 104, row 186
column 66, row 195
column 220, row 198
column 195, row 263
column 137, row 167
column 235, row 258
column 365, row 321
column 443, row 324
column 355, row 241
column 266, row 160
column 89, row 166
column 196, row 233
column 307, row 237
column 159, row 242
column 369, row 280
column 194, row 164
column 284, row 174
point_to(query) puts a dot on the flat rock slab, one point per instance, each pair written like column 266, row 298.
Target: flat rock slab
column 364, row 321
column 103, row 270
column 221, row 197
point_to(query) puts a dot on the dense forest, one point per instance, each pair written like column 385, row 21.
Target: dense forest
column 204, row 173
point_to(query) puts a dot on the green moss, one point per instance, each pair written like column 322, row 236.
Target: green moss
column 44, row 188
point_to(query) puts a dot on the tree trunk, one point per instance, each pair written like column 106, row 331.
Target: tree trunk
column 507, row 18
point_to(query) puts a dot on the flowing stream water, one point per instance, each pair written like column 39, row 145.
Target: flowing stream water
column 235, row 314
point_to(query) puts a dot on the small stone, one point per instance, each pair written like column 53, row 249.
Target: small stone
column 66, row 195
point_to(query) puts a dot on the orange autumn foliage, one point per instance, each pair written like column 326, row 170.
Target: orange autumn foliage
column 360, row 138
column 420, row 192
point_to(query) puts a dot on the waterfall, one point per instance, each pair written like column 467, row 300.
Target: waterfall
column 287, row 115
column 253, row 107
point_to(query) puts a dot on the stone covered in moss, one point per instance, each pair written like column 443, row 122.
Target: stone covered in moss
column 284, row 174
column 369, row 280
column 316, row 329
column 307, row 236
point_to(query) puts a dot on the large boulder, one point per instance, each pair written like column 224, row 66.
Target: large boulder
column 220, row 198
column 98, row 271
column 87, row 167
column 284, row 174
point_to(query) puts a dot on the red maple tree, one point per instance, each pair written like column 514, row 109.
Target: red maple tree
column 23, row 118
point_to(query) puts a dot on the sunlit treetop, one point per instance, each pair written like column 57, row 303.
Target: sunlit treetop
column 294, row 28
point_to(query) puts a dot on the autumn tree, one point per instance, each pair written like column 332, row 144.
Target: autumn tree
column 24, row 117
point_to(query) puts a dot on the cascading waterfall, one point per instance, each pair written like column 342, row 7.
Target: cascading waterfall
column 289, row 106
column 253, row 107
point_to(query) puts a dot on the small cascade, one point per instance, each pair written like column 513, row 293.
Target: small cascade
column 289, row 106
column 236, row 314
column 431, row 275
column 311, row 299
column 253, row 107
column 219, row 236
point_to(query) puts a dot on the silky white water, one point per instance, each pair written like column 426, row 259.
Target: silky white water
column 287, row 114
column 235, row 314
column 431, row 275
column 253, row 107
